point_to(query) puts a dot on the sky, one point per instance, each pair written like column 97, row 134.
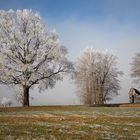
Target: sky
column 102, row 24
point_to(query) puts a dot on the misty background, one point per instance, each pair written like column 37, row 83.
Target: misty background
column 101, row 24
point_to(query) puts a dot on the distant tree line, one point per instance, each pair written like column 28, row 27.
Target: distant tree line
column 6, row 102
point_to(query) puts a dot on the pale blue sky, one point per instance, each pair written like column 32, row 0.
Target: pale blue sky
column 89, row 10
column 111, row 24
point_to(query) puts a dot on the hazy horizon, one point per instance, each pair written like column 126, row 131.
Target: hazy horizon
column 102, row 24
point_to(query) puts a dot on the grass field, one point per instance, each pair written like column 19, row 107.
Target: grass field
column 70, row 123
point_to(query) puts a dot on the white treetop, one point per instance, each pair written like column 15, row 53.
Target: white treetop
column 29, row 53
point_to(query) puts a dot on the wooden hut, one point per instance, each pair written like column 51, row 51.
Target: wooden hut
column 134, row 95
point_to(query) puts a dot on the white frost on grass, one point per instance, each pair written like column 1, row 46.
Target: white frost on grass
column 95, row 126
column 133, row 124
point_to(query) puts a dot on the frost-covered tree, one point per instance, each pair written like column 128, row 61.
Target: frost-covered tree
column 5, row 102
column 136, row 67
column 29, row 54
column 96, row 76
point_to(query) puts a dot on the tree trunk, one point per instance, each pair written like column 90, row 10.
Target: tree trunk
column 25, row 96
column 101, row 99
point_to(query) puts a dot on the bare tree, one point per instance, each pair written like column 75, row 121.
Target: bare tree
column 96, row 76
column 136, row 67
column 29, row 54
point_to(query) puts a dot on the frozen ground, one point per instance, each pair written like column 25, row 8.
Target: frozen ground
column 70, row 123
